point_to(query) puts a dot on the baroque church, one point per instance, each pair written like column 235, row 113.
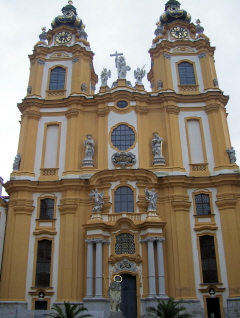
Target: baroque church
column 123, row 185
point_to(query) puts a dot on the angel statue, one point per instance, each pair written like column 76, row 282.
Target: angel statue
column 98, row 200
column 139, row 75
column 151, row 196
column 105, row 75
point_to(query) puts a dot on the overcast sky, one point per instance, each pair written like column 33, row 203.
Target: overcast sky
column 126, row 26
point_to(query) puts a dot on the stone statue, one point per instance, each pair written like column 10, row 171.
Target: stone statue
column 16, row 163
column 114, row 294
column 157, row 149
column 84, row 87
column 29, row 90
column 89, row 147
column 212, row 315
column 105, row 75
column 98, row 200
column 89, row 152
column 122, row 67
column 151, row 196
column 232, row 154
column 215, row 82
column 159, row 84
column 139, row 75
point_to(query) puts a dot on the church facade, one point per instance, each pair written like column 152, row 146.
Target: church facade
column 124, row 184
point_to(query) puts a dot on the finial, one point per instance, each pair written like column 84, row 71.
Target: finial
column 70, row 2
column 198, row 21
column 44, row 29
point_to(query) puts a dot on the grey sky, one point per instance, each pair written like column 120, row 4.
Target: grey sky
column 127, row 26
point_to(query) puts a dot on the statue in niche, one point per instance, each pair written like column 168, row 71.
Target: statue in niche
column 84, row 87
column 89, row 152
column 16, row 163
column 160, row 84
column 232, row 154
column 105, row 75
column 157, row 145
column 89, row 147
column 114, row 294
column 139, row 75
column 151, row 196
column 122, row 67
column 98, row 200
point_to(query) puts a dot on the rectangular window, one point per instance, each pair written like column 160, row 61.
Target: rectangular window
column 208, row 259
column 46, row 209
column 195, row 141
column 43, row 266
column 202, row 202
column 186, row 74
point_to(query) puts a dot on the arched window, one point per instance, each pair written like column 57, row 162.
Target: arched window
column 202, row 204
column 57, row 78
column 46, row 209
column 123, row 200
column 186, row 74
column 125, row 244
column 208, row 259
column 43, row 268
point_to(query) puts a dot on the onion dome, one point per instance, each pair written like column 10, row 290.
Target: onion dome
column 173, row 13
column 69, row 17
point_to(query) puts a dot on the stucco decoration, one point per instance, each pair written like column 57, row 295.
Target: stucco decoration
column 232, row 154
column 125, row 265
column 16, row 163
column 89, row 152
column 151, row 196
column 139, row 75
column 123, row 159
column 97, row 197
column 105, row 75
column 157, row 143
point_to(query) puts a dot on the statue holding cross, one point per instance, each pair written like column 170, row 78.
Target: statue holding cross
column 121, row 65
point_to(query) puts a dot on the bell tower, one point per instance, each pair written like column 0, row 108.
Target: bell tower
column 61, row 63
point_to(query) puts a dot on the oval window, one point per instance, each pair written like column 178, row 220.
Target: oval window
column 123, row 137
column 122, row 104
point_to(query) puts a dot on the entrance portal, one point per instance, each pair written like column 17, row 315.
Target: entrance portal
column 213, row 307
column 128, row 304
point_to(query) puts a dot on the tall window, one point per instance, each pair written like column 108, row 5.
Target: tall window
column 208, row 258
column 57, row 78
column 202, row 204
column 43, row 268
column 46, row 209
column 123, row 200
column 186, row 73
column 125, row 244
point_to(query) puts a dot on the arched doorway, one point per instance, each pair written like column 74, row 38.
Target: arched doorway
column 128, row 304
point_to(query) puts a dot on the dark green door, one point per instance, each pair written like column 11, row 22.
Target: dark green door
column 129, row 296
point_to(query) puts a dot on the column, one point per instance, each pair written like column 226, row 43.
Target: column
column 89, row 269
column 161, row 274
column 151, row 267
column 98, row 280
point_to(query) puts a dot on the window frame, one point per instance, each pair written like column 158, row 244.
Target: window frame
column 129, row 243
column 36, row 262
column 47, row 212
column 216, row 258
column 115, row 127
column 193, row 69
column 50, row 75
column 209, row 260
column 202, row 204
column 133, row 196
column 42, row 197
